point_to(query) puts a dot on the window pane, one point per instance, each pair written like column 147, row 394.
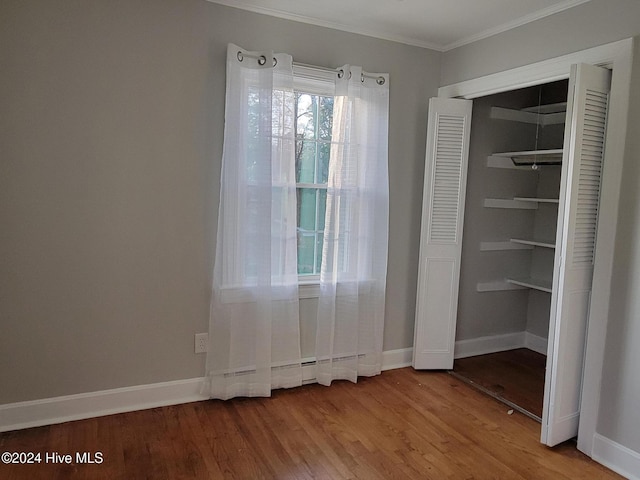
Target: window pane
column 324, row 150
column 305, row 161
column 282, row 118
column 322, row 208
column 306, row 113
column 319, row 243
column 325, row 118
column 307, row 209
column 306, row 253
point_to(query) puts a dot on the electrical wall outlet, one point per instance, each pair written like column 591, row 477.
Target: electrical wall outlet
column 201, row 342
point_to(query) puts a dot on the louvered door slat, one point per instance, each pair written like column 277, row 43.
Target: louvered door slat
column 589, row 178
column 449, row 131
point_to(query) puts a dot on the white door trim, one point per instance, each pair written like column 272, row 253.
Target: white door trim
column 537, row 73
column 618, row 56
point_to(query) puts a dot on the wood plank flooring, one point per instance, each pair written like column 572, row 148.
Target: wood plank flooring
column 515, row 375
column 402, row 424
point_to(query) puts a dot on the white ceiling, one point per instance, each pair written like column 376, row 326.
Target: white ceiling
column 437, row 24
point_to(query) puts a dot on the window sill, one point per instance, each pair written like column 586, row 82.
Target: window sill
column 308, row 289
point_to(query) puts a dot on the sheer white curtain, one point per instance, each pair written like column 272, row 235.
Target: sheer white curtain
column 354, row 257
column 254, row 329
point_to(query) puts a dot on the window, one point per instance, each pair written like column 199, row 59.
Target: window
column 311, row 103
column 313, row 125
column 313, row 118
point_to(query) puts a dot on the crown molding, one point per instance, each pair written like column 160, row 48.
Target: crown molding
column 407, row 40
column 532, row 17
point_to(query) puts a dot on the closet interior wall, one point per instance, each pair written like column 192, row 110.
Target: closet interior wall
column 487, row 305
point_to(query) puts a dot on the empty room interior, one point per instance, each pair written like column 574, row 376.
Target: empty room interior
column 364, row 239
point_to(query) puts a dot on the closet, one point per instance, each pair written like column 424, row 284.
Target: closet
column 508, row 247
column 508, row 231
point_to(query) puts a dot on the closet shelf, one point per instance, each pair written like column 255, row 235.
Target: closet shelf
column 509, row 203
column 499, row 246
column 551, row 114
column 536, row 200
column 560, row 107
column 521, row 203
column 497, row 286
column 531, row 157
column 535, row 243
column 534, row 283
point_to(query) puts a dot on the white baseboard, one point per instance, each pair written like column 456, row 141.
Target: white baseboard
column 535, row 343
column 490, row 344
column 401, row 358
column 49, row 411
column 616, row 457
column 500, row 343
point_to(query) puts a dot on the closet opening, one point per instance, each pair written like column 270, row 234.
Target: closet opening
column 509, row 243
column 586, row 215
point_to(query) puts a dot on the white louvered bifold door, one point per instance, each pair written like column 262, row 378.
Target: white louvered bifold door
column 445, row 179
column 577, row 227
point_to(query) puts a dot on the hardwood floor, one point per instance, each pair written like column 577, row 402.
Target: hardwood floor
column 402, row 424
column 515, row 375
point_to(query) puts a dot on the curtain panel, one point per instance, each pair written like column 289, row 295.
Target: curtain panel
column 254, row 327
column 254, row 323
column 354, row 258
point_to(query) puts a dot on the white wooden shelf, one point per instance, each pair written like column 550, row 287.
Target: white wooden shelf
column 509, row 203
column 497, row 286
column 534, row 243
column 536, row 200
column 543, row 115
column 525, row 158
column 560, row 107
column 497, row 161
column 509, row 284
column 534, row 283
column 502, row 246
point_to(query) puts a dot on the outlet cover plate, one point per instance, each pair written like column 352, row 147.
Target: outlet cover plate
column 201, row 342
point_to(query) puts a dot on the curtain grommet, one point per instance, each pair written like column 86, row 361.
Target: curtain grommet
column 240, row 56
column 262, row 60
column 341, row 73
column 380, row 80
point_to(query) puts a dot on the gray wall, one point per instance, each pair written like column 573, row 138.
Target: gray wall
column 494, row 313
column 588, row 25
column 593, row 23
column 110, row 146
column 619, row 418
